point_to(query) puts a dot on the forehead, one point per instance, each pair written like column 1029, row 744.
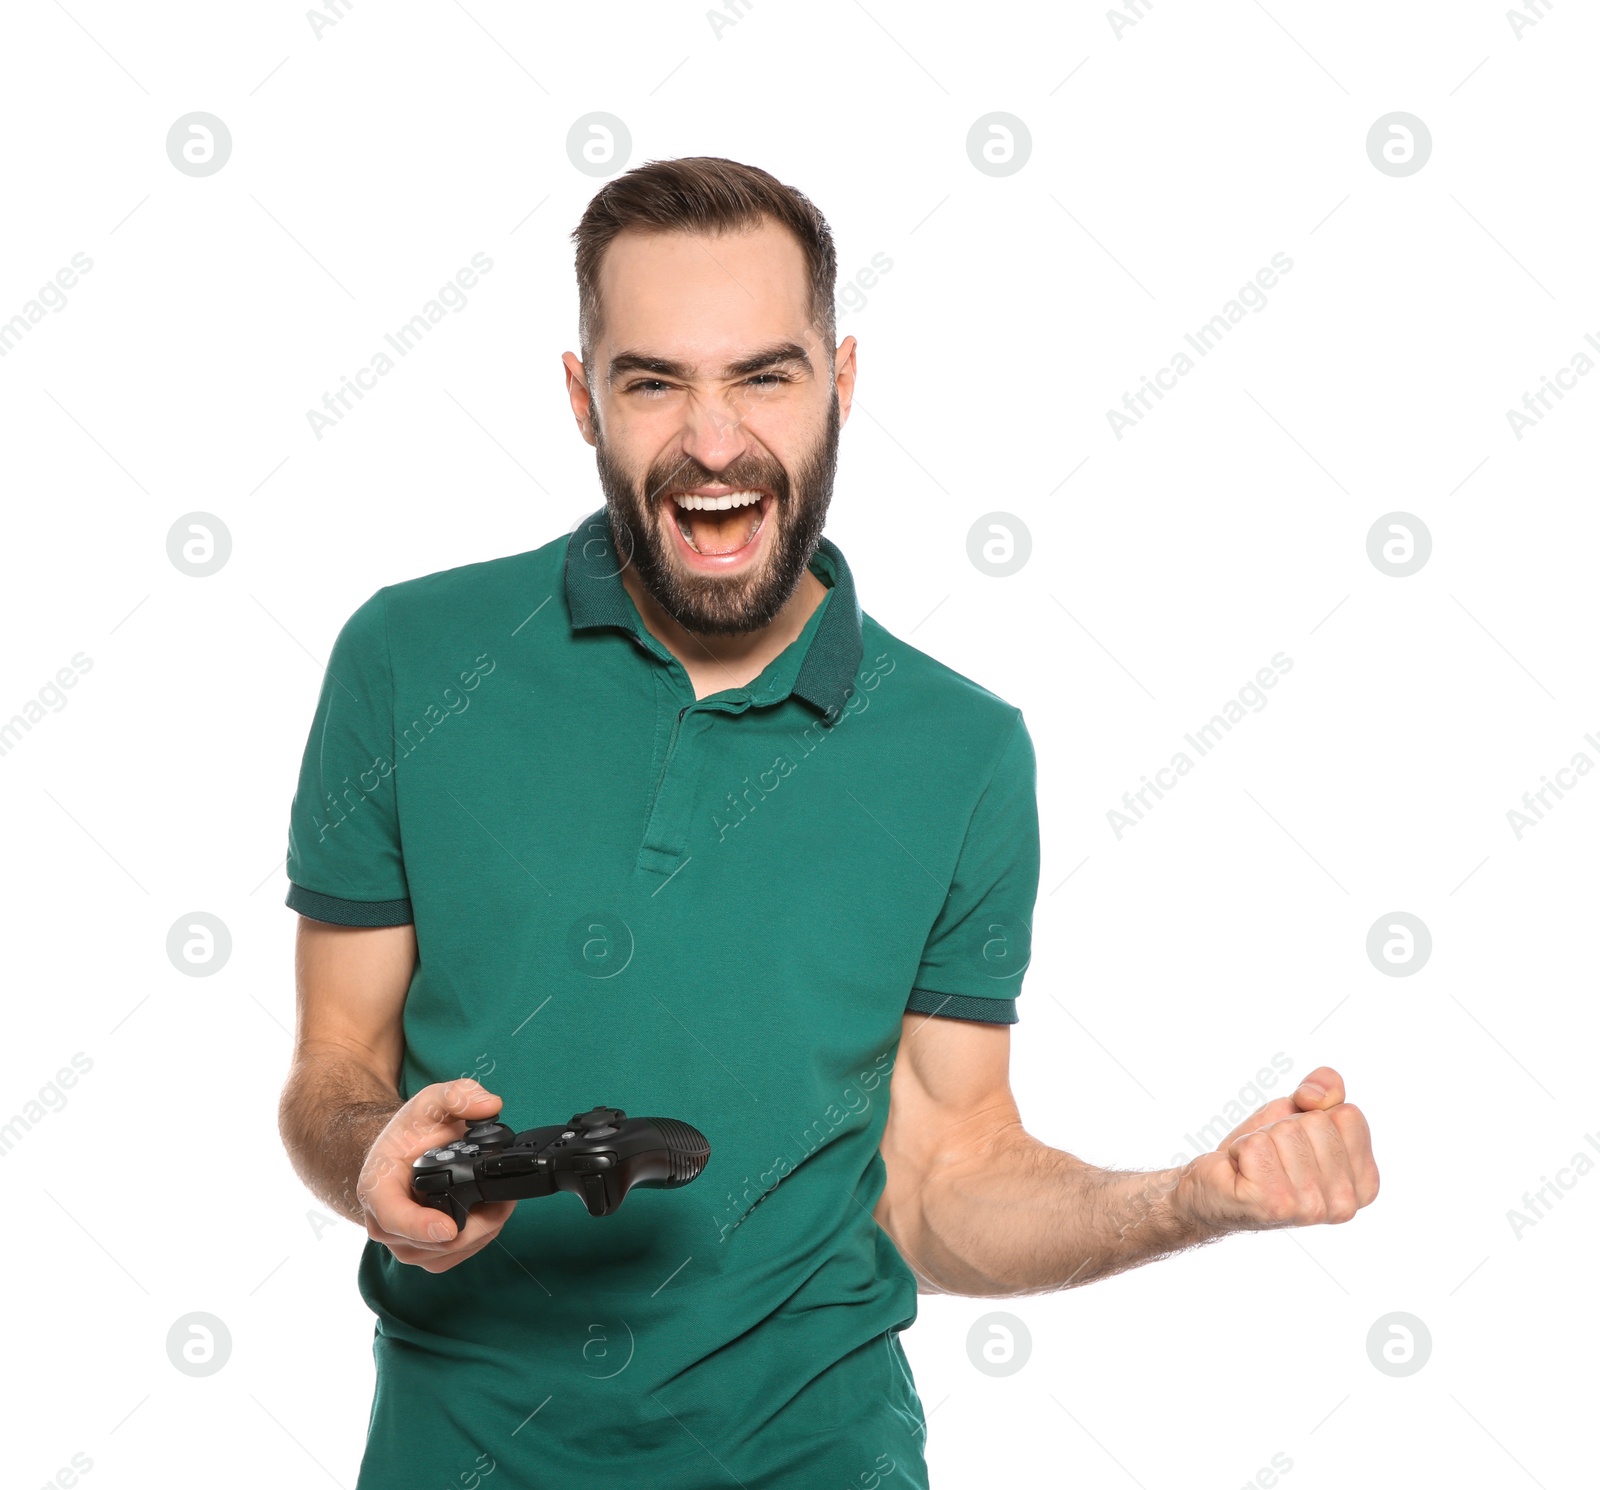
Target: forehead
column 701, row 294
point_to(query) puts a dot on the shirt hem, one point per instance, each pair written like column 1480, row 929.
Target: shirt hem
column 961, row 1006
column 340, row 912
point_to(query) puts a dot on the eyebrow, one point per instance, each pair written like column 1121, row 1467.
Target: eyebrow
column 780, row 354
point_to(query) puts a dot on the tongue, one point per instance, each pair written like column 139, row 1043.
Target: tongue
column 723, row 532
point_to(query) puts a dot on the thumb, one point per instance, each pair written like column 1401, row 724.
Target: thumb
column 1322, row 1089
column 434, row 1112
column 455, row 1099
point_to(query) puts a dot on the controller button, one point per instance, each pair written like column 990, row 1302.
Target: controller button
column 568, row 1134
column 466, row 1148
column 605, row 1130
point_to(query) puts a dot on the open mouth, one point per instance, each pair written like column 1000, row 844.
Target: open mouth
column 719, row 528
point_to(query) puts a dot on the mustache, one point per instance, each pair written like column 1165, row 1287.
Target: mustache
column 777, row 484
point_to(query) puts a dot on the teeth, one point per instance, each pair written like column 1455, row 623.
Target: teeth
column 693, row 503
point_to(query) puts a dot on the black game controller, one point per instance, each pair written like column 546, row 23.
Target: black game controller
column 599, row 1156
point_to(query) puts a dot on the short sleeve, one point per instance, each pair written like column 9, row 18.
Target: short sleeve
column 345, row 863
column 978, row 949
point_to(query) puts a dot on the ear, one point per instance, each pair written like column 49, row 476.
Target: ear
column 844, row 376
column 578, row 396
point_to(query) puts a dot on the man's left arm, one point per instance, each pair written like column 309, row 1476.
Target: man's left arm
column 978, row 1206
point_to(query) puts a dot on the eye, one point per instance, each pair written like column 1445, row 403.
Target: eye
column 647, row 386
column 772, row 377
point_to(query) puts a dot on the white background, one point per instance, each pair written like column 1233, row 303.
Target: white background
column 1169, row 163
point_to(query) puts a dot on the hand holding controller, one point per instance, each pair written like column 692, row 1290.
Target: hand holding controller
column 417, row 1236
column 598, row 1156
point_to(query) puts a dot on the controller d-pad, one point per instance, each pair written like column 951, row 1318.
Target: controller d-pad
column 597, row 1117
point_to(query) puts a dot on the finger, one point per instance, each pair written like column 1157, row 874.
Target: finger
column 435, row 1236
column 402, row 1247
column 484, row 1224
column 1333, row 1167
column 1278, row 1172
column 431, row 1261
column 483, row 1219
column 440, row 1262
column 414, row 1225
column 423, row 1227
column 488, row 1218
column 1275, row 1111
column 1321, row 1089
column 404, row 1252
column 1352, row 1125
column 1298, row 1160
column 384, row 1191
column 1262, row 1184
column 393, row 1209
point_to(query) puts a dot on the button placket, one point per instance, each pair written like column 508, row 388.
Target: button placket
column 667, row 832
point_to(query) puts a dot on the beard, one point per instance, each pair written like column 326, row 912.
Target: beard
column 708, row 604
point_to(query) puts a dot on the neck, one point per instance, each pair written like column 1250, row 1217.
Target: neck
column 716, row 662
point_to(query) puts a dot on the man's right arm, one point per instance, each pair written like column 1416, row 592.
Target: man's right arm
column 349, row 1136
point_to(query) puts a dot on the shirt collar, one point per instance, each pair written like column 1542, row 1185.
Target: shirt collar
column 826, row 678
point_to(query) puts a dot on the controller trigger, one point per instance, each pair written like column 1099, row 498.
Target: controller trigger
column 594, row 1193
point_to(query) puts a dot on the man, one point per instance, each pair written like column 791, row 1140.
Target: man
column 654, row 817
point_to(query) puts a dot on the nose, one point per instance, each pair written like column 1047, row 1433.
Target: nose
column 715, row 429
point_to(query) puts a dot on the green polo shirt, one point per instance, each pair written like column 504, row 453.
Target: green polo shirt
column 712, row 909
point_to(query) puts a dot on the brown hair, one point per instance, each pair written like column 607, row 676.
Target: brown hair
column 700, row 194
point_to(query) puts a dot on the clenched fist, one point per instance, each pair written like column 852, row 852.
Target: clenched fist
column 416, row 1233
column 1301, row 1160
